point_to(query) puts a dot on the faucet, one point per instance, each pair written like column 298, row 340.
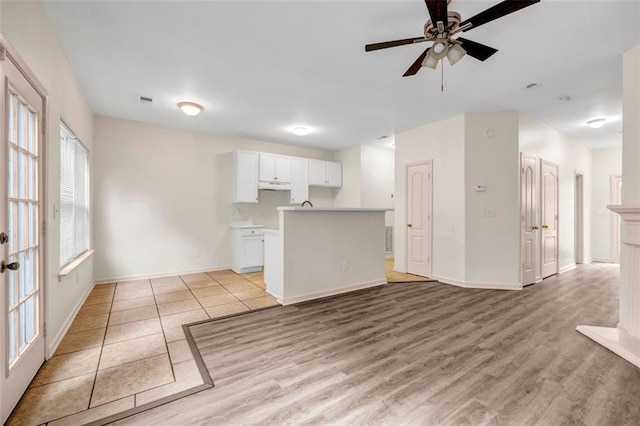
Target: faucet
column 305, row 202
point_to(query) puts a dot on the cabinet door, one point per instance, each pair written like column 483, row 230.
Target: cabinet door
column 334, row 174
column 299, row 181
column 283, row 169
column 317, row 172
column 268, row 168
column 245, row 179
column 252, row 251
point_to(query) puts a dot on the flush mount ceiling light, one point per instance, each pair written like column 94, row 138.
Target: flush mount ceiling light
column 190, row 108
column 596, row 122
column 300, row 131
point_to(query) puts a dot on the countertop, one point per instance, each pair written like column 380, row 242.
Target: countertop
column 329, row 209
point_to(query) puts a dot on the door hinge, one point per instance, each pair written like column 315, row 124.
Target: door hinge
column 44, row 330
column 3, row 53
column 44, row 227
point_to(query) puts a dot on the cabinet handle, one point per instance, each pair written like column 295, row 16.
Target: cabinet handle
column 409, row 225
column 534, row 228
column 275, row 178
column 545, row 227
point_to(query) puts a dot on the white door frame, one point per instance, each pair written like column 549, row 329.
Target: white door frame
column 9, row 54
column 406, row 214
column 578, row 208
column 616, row 180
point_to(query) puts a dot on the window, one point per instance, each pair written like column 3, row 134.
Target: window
column 74, row 196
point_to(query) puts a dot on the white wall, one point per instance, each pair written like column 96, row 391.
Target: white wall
column 377, row 177
column 492, row 249
column 631, row 127
column 27, row 28
column 350, row 193
column 545, row 143
column 606, row 163
column 163, row 198
column 442, row 142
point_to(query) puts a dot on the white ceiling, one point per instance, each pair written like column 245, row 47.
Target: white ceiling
column 262, row 67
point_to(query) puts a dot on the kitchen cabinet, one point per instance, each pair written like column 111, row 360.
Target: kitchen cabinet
column 275, row 168
column 247, row 247
column 325, row 173
column 299, row 181
column 244, row 177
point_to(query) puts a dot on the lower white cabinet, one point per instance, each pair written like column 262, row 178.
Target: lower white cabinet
column 247, row 248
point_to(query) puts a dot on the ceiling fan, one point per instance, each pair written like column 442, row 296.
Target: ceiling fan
column 441, row 29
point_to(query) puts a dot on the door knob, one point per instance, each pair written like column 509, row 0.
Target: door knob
column 409, row 225
column 534, row 228
column 12, row 266
column 545, row 227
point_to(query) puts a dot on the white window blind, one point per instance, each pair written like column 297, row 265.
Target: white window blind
column 74, row 196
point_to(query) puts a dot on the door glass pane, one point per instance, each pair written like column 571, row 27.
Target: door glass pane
column 20, row 123
column 10, row 116
column 11, row 171
column 12, row 336
column 32, row 224
column 29, row 319
column 22, row 234
column 13, row 290
column 29, row 269
column 31, row 131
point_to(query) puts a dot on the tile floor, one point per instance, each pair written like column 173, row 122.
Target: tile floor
column 126, row 346
column 401, row 277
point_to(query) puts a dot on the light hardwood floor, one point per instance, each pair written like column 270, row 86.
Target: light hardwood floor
column 424, row 353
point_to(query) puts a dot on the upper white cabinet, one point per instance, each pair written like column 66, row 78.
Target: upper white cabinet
column 275, row 168
column 252, row 171
column 299, row 180
column 325, row 173
column 244, row 177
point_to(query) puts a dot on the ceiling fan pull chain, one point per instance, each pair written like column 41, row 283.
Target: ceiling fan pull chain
column 442, row 76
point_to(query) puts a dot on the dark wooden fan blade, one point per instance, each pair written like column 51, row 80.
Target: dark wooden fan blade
column 497, row 11
column 438, row 11
column 415, row 67
column 476, row 50
column 387, row 44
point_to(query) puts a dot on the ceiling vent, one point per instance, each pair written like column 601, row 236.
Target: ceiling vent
column 145, row 100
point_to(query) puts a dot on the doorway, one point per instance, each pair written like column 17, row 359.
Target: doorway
column 419, row 212
column 579, row 219
column 21, row 176
column 549, row 215
column 616, row 199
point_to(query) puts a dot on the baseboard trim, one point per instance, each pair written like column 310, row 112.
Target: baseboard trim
column 567, row 268
column 599, row 260
column 52, row 345
column 160, row 275
column 478, row 285
column 360, row 286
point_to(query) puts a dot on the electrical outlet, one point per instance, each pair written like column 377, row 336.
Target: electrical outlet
column 345, row 265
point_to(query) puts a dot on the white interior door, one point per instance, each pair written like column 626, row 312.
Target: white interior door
column 579, row 220
column 528, row 217
column 419, row 219
column 549, row 215
column 21, row 302
column 616, row 199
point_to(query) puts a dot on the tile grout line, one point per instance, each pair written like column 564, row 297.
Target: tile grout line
column 166, row 344
column 104, row 337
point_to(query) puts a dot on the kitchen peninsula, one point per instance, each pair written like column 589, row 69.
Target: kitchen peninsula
column 318, row 252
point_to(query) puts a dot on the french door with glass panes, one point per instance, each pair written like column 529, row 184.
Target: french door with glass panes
column 22, row 323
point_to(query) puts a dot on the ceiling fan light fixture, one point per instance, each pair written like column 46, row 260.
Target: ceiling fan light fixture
column 455, row 53
column 430, row 62
column 596, row 122
column 190, row 108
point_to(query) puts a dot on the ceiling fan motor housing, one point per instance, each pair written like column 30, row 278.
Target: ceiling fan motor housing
column 431, row 30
